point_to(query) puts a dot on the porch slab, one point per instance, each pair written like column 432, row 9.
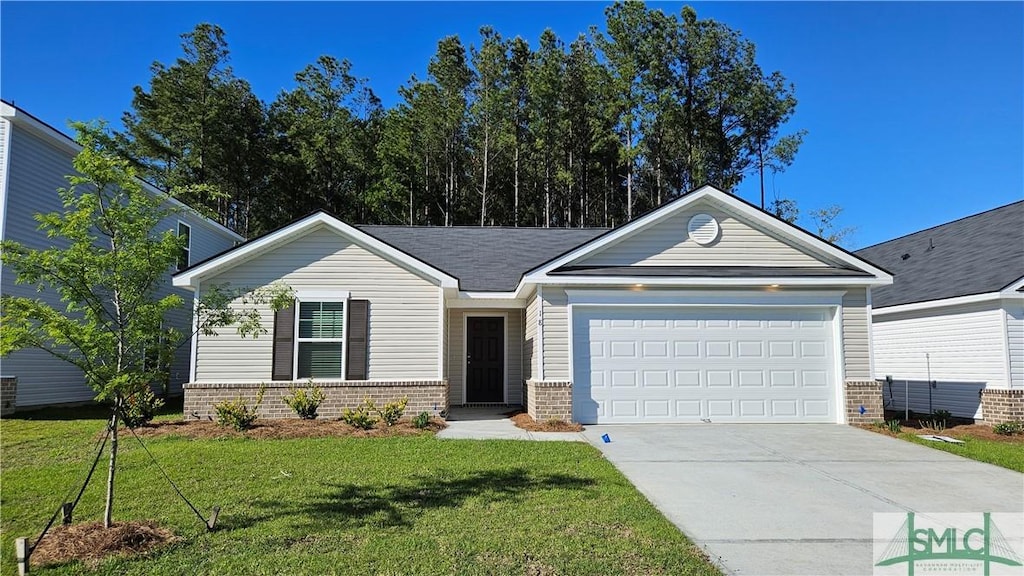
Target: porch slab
column 491, row 424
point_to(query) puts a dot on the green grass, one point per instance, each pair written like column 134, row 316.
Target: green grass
column 348, row 506
column 1006, row 454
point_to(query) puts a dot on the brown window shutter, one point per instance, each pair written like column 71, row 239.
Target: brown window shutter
column 284, row 344
column 358, row 334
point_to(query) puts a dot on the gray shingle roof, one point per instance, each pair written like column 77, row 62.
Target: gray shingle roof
column 488, row 259
column 973, row 255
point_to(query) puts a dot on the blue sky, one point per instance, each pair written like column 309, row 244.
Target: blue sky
column 915, row 111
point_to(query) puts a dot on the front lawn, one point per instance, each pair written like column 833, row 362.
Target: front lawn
column 980, row 441
column 1007, row 453
column 400, row 505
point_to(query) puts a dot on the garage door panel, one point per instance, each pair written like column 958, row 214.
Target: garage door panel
column 753, row 408
column 784, row 408
column 687, row 378
column 750, row 349
column 689, row 364
column 814, row 408
column 686, row 349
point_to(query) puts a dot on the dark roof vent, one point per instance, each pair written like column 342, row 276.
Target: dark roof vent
column 905, row 256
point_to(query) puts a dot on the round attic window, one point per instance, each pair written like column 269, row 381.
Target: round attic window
column 703, row 229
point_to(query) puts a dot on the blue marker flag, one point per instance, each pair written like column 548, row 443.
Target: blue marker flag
column 863, row 409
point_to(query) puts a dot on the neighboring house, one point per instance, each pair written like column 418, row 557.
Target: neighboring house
column 34, row 160
column 706, row 308
column 955, row 316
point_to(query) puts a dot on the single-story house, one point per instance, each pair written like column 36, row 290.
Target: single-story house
column 35, row 159
column 951, row 327
column 705, row 309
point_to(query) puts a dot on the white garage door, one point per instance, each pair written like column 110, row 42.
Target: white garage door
column 641, row 364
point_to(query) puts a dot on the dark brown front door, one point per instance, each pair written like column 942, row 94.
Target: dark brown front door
column 485, row 359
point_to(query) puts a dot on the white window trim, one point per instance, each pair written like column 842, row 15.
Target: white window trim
column 188, row 249
column 311, row 296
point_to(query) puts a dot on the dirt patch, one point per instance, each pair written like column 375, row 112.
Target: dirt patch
column 526, row 422
column 90, row 542
column 956, row 429
column 283, row 429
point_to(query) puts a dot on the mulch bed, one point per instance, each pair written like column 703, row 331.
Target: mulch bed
column 526, row 422
column 90, row 542
column 960, row 430
column 282, row 429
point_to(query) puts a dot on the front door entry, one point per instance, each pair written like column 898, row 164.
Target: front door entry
column 485, row 359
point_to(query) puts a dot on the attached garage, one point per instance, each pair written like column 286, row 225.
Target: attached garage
column 634, row 364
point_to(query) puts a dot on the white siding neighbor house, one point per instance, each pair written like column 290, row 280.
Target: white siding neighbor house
column 950, row 330
column 34, row 160
column 705, row 309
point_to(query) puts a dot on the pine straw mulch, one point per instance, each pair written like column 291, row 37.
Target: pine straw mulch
column 90, row 542
column 526, row 422
column 960, row 430
column 285, row 428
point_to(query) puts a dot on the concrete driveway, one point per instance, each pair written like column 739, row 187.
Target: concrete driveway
column 796, row 499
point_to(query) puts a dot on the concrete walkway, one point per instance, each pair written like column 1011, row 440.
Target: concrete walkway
column 492, row 424
column 796, row 499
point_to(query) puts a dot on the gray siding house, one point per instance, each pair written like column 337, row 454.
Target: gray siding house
column 950, row 330
column 34, row 160
column 705, row 309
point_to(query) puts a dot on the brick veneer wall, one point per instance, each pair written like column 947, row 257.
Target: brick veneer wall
column 866, row 393
column 424, row 396
column 549, row 400
column 1002, row 405
column 8, row 394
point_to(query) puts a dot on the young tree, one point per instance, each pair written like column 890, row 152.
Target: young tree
column 109, row 264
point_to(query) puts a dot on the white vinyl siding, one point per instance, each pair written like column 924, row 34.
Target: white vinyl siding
column 37, row 168
column 1015, row 342
column 666, row 243
column 404, row 309
column 964, row 343
column 531, row 352
column 856, row 344
column 556, row 333
column 457, row 351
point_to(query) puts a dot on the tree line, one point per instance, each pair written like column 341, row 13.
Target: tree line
column 589, row 133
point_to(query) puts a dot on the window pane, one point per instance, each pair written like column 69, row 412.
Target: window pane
column 321, row 319
column 319, row 359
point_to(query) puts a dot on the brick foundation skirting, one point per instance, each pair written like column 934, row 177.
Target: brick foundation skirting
column 424, row 396
column 8, row 394
column 1000, row 405
column 866, row 393
column 549, row 400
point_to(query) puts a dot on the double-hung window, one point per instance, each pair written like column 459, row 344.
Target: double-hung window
column 185, row 255
column 320, row 339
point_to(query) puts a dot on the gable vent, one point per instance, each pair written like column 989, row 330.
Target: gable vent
column 703, row 229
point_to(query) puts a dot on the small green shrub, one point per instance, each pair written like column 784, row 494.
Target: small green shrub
column 237, row 413
column 944, row 415
column 934, row 424
column 361, row 417
column 140, row 408
column 893, row 425
column 421, row 420
column 392, row 412
column 1009, row 428
column 305, row 403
